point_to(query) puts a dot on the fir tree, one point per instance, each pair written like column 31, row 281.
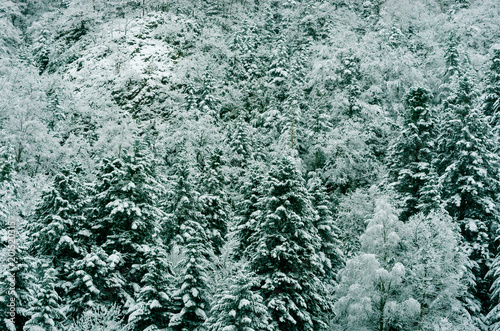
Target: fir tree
column 248, row 214
column 285, row 255
column 239, row 308
column 59, row 229
column 213, row 202
column 46, row 312
column 153, row 304
column 58, row 219
column 411, row 154
column 468, row 169
column 491, row 95
column 126, row 223
column 331, row 255
column 193, row 289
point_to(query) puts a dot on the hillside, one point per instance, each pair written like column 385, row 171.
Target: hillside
column 250, row 165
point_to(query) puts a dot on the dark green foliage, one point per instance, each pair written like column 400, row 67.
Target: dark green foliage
column 248, row 216
column 491, row 96
column 285, row 252
column 59, row 230
column 240, row 307
column 125, row 225
column 411, row 155
column 468, row 168
column 183, row 204
column 6, row 164
column 330, row 253
column 59, row 221
column 213, row 202
column 154, row 298
column 192, row 291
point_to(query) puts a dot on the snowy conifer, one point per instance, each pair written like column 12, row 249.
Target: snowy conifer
column 153, row 303
column 331, row 255
column 192, row 292
column 411, row 154
column 213, row 202
column 468, row 168
column 45, row 311
column 285, row 256
column 239, row 308
column 491, row 96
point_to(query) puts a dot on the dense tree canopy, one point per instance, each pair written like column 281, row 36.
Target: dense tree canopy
column 249, row 165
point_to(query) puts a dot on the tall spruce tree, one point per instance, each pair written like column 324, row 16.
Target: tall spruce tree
column 248, row 214
column 126, row 223
column 468, row 169
column 411, row 154
column 285, row 256
column 193, row 289
column 331, row 255
column 491, row 95
column 214, row 207
column 59, row 230
column 182, row 205
column 240, row 307
column 153, row 301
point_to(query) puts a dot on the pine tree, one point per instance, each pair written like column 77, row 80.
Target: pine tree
column 183, row 205
column 153, row 302
column 213, row 202
column 240, row 144
column 126, row 223
column 411, row 154
column 59, row 231
column 452, row 58
column 491, row 94
column 493, row 317
column 45, row 310
column 331, row 255
column 58, row 219
column 193, row 288
column 285, row 252
column 248, row 215
column 468, row 169
column 239, row 308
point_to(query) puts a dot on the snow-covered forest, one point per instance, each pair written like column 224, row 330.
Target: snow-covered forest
column 249, row 165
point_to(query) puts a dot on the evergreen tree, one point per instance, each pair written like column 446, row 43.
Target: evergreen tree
column 59, row 231
column 240, row 145
column 411, row 154
column 239, row 308
column 213, row 202
column 45, row 310
column 491, row 95
column 126, row 223
column 193, row 288
column 183, row 203
column 58, row 219
column 452, row 58
column 153, row 303
column 468, row 169
column 331, row 255
column 248, row 214
column 285, row 252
